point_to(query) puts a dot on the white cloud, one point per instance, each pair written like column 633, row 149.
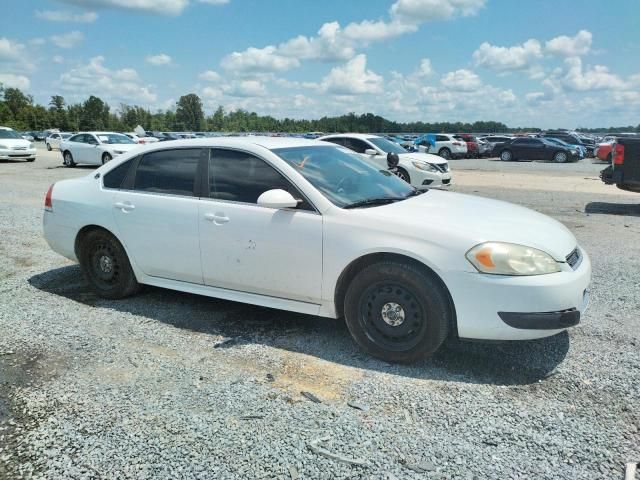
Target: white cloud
column 352, row 78
column 418, row 11
column 162, row 7
column 159, row 60
column 63, row 16
column 425, row 69
column 597, row 77
column 209, row 76
column 245, row 88
column 507, row 58
column 265, row 59
column 58, row 59
column 10, row 50
column 570, row 46
column 14, row 58
column 461, row 80
column 67, row 40
column 94, row 78
column 16, row 81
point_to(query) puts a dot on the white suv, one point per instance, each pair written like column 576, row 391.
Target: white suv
column 53, row 140
column 421, row 170
column 447, row 146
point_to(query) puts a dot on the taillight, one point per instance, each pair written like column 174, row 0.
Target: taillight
column 140, row 141
column 48, row 202
column 618, row 154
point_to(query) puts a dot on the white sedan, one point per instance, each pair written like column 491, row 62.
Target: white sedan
column 14, row 147
column 311, row 227
column 94, row 148
column 54, row 140
column 422, row 170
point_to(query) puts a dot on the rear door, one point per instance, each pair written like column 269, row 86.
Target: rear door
column 156, row 211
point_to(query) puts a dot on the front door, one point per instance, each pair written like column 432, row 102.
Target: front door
column 157, row 215
column 250, row 248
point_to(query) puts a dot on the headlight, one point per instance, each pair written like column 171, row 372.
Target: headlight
column 424, row 166
column 510, row 259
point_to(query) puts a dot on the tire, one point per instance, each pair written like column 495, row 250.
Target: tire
column 67, row 159
column 404, row 175
column 106, row 267
column 106, row 157
column 388, row 292
column 445, row 153
column 506, row 156
column 49, row 147
column 560, row 157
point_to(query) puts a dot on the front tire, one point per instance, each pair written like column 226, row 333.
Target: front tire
column 404, row 175
column 67, row 159
column 49, row 147
column 106, row 157
column 560, row 157
column 106, row 266
column 397, row 312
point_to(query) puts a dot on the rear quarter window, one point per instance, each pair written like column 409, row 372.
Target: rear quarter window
column 115, row 177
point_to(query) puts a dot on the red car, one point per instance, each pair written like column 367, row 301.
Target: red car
column 472, row 144
column 603, row 151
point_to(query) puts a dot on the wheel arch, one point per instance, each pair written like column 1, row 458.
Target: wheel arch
column 83, row 233
column 357, row 265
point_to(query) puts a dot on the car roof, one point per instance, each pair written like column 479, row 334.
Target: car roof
column 239, row 141
column 361, row 136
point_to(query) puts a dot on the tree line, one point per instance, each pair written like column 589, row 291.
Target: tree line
column 19, row 111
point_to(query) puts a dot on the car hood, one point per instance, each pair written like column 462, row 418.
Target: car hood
column 15, row 142
column 422, row 157
column 471, row 220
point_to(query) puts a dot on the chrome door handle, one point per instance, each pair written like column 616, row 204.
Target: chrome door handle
column 124, row 206
column 217, row 218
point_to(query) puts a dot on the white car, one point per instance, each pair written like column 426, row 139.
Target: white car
column 54, row 140
column 421, row 170
column 311, row 227
column 94, row 148
column 141, row 140
column 14, row 147
column 446, row 146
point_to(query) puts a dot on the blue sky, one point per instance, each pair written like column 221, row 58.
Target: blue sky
column 544, row 63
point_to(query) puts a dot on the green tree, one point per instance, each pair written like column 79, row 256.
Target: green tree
column 189, row 113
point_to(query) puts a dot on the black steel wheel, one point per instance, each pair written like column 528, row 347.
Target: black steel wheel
column 397, row 312
column 106, row 266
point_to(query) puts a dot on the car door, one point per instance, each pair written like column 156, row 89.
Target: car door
column 250, row 248
column 94, row 152
column 54, row 141
column 156, row 212
column 78, row 146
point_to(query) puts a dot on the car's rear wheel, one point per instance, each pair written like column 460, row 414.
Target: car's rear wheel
column 106, row 266
column 404, row 175
column 506, row 156
column 445, row 153
column 397, row 312
column 67, row 159
column 106, row 157
column 560, row 157
column 48, row 147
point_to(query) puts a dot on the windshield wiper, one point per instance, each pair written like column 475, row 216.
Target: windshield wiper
column 374, row 201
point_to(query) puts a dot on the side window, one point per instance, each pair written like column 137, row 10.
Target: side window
column 76, row 138
column 241, row 177
column 521, row 141
column 168, row 171
column 356, row 145
column 337, row 141
column 115, row 177
column 442, row 138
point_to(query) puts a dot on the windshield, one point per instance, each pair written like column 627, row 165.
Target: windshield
column 9, row 134
column 342, row 176
column 114, row 138
column 557, row 141
column 386, row 146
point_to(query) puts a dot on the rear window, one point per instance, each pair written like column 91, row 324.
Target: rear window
column 168, row 171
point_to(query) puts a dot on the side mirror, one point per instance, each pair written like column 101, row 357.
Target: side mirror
column 370, row 151
column 392, row 160
column 277, row 198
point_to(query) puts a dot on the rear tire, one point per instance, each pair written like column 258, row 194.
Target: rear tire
column 106, row 267
column 67, row 159
column 397, row 312
column 560, row 157
column 445, row 153
column 506, row 156
column 48, row 147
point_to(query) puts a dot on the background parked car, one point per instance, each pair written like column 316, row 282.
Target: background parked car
column 494, row 140
column 580, row 148
column 27, row 136
column 421, row 170
column 143, row 140
column 484, row 148
column 53, row 140
column 572, row 139
column 526, row 148
column 445, row 145
column 14, row 147
column 624, row 171
column 94, row 148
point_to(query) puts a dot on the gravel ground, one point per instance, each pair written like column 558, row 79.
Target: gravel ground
column 147, row 387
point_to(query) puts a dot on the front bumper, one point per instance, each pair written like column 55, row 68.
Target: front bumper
column 423, row 180
column 482, row 300
column 8, row 154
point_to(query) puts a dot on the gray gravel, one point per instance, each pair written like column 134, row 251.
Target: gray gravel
column 148, row 388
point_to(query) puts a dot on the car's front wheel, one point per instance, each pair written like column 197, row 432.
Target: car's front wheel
column 397, row 312
column 67, row 159
column 106, row 266
column 560, row 157
column 48, row 146
column 402, row 173
column 106, row 157
column 506, row 156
